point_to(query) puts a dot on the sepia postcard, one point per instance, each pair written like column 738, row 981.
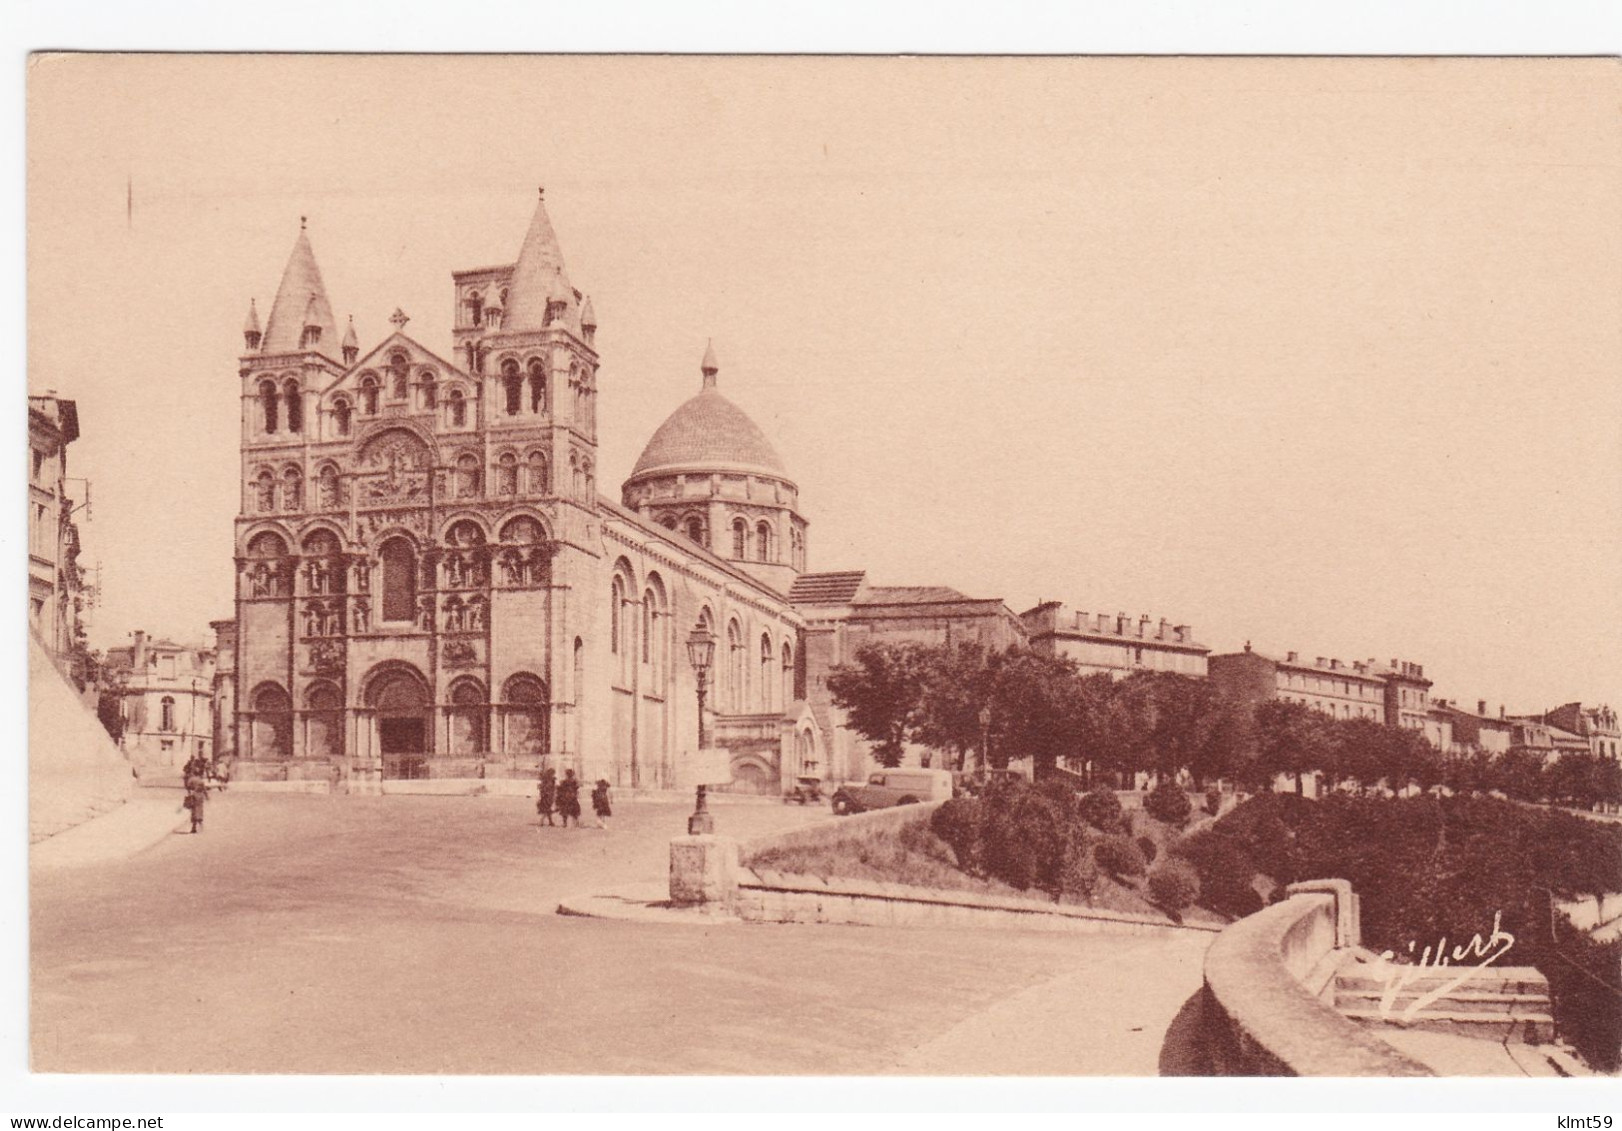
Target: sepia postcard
column 824, row 566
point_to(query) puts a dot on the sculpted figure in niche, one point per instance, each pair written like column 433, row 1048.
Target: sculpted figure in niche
column 511, row 568
column 425, row 614
column 312, row 624
column 363, row 616
column 453, row 617
column 475, row 615
column 453, row 571
column 332, row 622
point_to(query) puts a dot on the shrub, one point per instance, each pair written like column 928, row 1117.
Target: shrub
column 1078, row 871
column 1024, row 841
column 1149, row 849
column 1213, row 801
column 1174, row 884
column 958, row 823
column 1226, row 872
column 1119, row 857
column 1167, row 802
column 1102, row 810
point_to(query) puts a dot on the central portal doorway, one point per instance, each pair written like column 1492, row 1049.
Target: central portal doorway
column 400, row 700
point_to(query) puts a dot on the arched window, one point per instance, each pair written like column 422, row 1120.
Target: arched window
column 292, row 490
column 268, row 406
column 458, row 409
column 430, row 390
column 589, row 482
column 735, row 669
column 399, row 558
column 467, row 475
column 537, row 385
column 507, row 474
column 616, row 615
column 264, row 491
column 295, row 405
column 341, row 416
column 271, row 732
column 695, row 529
column 537, row 474
column 399, row 376
column 469, row 712
column 763, row 542
column 767, row 683
column 524, row 715
column 166, row 713
column 668, row 521
column 327, row 490
column 323, row 722
column 740, row 535
column 368, row 395
column 512, row 385
column 797, row 542
column 788, row 677
column 475, row 308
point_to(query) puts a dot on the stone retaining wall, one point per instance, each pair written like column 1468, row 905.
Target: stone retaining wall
column 1265, row 980
column 766, row 896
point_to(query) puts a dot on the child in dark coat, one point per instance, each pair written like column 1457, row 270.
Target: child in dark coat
column 196, row 795
column 545, row 803
column 599, row 803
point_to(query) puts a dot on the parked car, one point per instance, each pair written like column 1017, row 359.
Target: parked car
column 972, row 783
column 886, row 788
column 805, row 791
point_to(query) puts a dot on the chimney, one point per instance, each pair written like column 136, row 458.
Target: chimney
column 138, row 653
column 1335, row 664
column 1143, row 625
column 1184, row 634
column 1121, row 621
column 1323, row 661
column 1164, row 624
column 1481, row 706
column 1500, row 710
column 1292, row 657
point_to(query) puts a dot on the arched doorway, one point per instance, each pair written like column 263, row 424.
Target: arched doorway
column 402, row 708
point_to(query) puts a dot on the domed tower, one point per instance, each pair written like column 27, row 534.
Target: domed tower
column 710, row 474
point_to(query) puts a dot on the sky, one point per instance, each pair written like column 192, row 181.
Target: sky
column 1321, row 355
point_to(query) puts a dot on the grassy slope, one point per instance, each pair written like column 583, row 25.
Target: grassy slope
column 914, row 855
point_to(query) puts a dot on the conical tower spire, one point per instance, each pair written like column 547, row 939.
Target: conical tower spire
column 351, row 345
column 709, row 365
column 250, row 329
column 301, row 301
column 538, row 277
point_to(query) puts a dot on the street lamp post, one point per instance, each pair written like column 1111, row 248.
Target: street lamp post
column 701, row 653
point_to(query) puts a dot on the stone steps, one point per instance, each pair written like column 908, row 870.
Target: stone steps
column 1459, row 1001
column 1524, row 1027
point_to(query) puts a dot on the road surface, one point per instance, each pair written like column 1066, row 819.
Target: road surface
column 310, row 934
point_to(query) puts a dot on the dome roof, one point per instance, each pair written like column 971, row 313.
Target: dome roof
column 709, row 433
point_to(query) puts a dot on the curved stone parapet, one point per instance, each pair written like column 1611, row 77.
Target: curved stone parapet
column 1264, row 980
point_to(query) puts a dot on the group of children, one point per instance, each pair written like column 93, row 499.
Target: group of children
column 563, row 797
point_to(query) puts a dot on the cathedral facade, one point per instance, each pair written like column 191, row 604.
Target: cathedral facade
column 431, row 585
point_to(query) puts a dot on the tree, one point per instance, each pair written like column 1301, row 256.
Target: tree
column 880, row 695
column 1291, row 738
column 1035, row 707
column 956, row 687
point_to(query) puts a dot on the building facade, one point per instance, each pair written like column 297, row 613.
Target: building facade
column 166, row 694
column 1394, row 694
column 56, row 584
column 1598, row 725
column 843, row 612
column 1115, row 645
column 429, row 583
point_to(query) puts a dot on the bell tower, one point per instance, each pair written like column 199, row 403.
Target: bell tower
column 530, row 338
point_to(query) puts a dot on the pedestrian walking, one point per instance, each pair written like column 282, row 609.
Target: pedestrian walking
column 599, row 803
column 545, row 803
column 569, row 799
column 196, row 796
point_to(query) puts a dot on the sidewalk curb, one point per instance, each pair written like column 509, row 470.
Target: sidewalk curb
column 644, row 904
column 135, row 826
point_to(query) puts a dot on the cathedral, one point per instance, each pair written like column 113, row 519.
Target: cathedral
column 430, row 585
